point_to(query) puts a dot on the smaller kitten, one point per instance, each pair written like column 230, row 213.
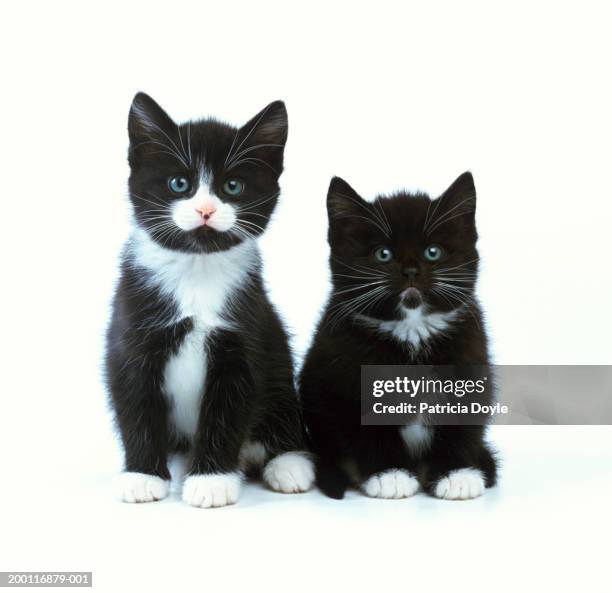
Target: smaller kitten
column 404, row 269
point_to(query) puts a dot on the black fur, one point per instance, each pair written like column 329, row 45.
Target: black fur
column 249, row 391
column 330, row 378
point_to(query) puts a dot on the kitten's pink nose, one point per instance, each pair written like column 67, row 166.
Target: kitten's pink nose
column 206, row 211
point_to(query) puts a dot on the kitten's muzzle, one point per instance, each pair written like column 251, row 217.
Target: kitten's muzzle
column 411, row 298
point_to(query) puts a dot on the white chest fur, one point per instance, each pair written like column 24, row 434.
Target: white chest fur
column 201, row 286
column 416, row 437
column 184, row 378
column 416, row 325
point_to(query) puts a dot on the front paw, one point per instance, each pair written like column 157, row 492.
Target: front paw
column 394, row 483
column 212, row 490
column 289, row 473
column 137, row 487
column 460, row 484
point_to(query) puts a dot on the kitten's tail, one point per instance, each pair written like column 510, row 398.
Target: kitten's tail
column 332, row 480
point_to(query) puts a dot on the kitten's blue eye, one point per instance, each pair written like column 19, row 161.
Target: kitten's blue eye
column 179, row 184
column 433, row 253
column 383, row 254
column 233, row 187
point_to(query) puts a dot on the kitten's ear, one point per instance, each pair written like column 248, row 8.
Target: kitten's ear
column 147, row 119
column 342, row 199
column 346, row 210
column 269, row 126
column 457, row 205
column 262, row 138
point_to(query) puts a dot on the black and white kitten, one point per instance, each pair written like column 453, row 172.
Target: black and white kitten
column 404, row 269
column 197, row 359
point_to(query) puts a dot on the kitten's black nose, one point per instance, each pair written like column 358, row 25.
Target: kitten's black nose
column 410, row 272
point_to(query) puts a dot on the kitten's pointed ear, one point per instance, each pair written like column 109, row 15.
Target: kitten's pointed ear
column 463, row 186
column 345, row 210
column 457, row 205
column 147, row 119
column 269, row 126
column 342, row 199
column 262, row 139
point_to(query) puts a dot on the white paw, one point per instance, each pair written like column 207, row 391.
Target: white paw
column 137, row 487
column 461, row 484
column 212, row 490
column 289, row 472
column 394, row 483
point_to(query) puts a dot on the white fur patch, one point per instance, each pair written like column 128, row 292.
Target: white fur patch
column 201, row 285
column 417, row 437
column 394, row 483
column 252, row 454
column 461, row 484
column 290, row 472
column 416, row 325
column 137, row 487
column 184, row 376
column 212, row 490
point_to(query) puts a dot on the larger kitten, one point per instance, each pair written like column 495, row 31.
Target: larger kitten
column 197, row 358
column 404, row 269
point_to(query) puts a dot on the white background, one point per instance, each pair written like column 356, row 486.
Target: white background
column 387, row 95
